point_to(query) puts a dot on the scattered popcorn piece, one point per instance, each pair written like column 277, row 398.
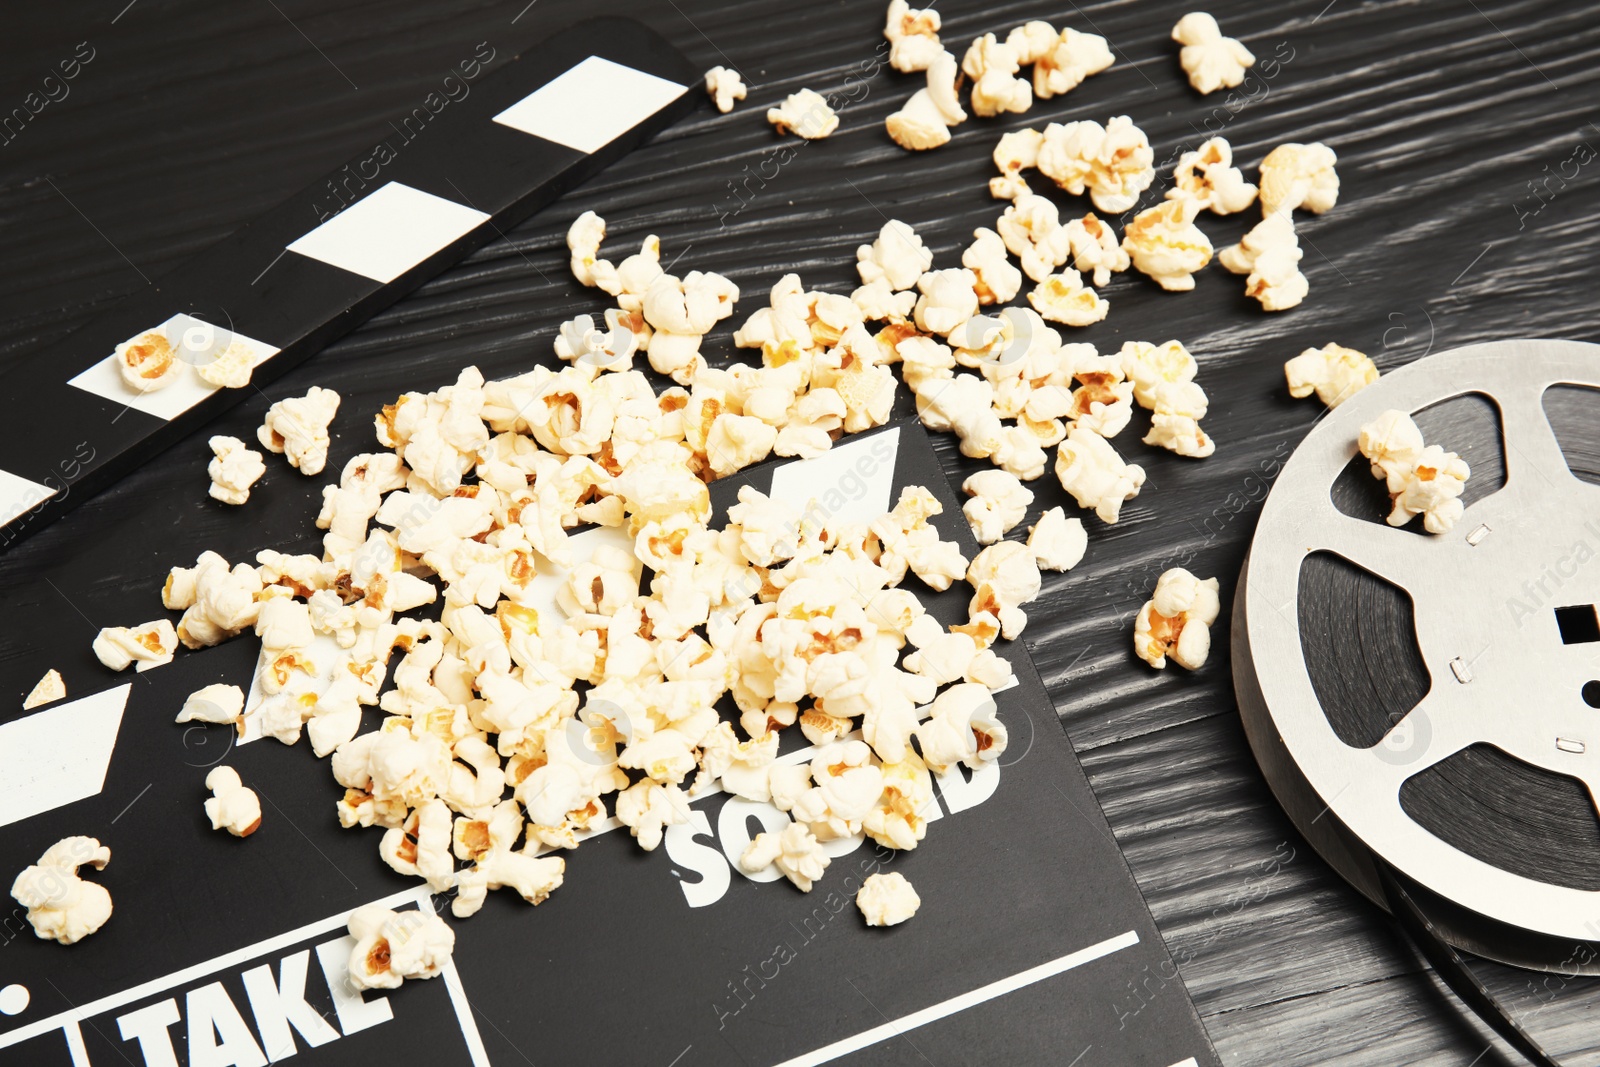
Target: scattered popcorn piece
column 1060, row 61
column 50, row 688
column 1093, row 247
column 1270, row 255
column 1013, row 153
column 897, row 256
column 1208, row 177
column 61, row 906
column 232, row 806
column 1179, row 433
column 1003, row 577
column 1422, row 480
column 583, row 239
column 1211, row 60
column 963, row 727
column 1299, row 176
column 998, row 281
column 1057, row 542
column 1176, row 621
column 1152, row 368
column 992, row 65
column 913, row 37
column 1164, row 243
column 1063, row 298
column 1333, row 372
column 1097, row 478
column 215, row 703
column 147, row 362
column 725, row 86
column 229, row 369
column 805, row 114
column 1032, row 231
column 1431, row 488
column 1114, row 163
column 1392, row 442
column 999, row 502
column 887, row 899
column 298, row 428
column 149, row 645
column 949, row 298
column 234, row 470
column 796, row 851
column 393, row 946
column 925, row 120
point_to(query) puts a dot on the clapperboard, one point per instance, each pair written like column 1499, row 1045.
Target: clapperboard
column 224, row 951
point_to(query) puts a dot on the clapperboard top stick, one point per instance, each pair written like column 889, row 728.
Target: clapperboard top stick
column 331, row 256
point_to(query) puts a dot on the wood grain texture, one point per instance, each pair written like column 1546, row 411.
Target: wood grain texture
column 192, row 118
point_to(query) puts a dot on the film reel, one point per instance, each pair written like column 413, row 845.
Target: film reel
column 1431, row 704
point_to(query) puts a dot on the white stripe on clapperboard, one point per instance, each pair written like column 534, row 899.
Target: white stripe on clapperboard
column 944, row 1008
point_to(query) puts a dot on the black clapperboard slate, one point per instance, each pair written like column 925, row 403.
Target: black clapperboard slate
column 451, row 177
column 1032, row 945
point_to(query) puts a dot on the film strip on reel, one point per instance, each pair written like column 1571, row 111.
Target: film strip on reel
column 1430, row 705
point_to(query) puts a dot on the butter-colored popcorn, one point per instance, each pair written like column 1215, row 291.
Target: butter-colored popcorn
column 887, row 899
column 1270, row 255
column 1032, row 231
column 942, row 656
column 583, row 240
column 878, row 302
column 1063, row 298
column 1431, row 488
column 924, row 121
column 1151, row 367
column 1093, row 247
column 1062, row 64
column 579, row 341
column 949, row 298
column 796, row 852
column 913, row 36
column 1207, row 175
column 897, row 256
column 298, row 428
column 149, row 645
column 218, row 703
column 1176, row 622
column 1114, row 163
column 999, row 502
column 1013, row 153
column 394, row 946
column 232, row 806
column 1103, row 401
column 1211, row 60
column 61, row 906
column 1004, row 577
column 229, row 369
column 1164, row 242
column 234, row 470
column 992, row 66
column 1057, row 542
column 49, row 689
column 963, row 727
column 499, row 864
column 737, row 441
column 998, row 281
column 1179, row 433
column 647, row 808
column 900, row 820
column 1096, row 477
column 147, row 362
column 724, row 87
column 1299, row 176
column 805, row 114
column 1333, row 372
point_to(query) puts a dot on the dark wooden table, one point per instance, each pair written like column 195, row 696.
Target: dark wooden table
column 1469, row 207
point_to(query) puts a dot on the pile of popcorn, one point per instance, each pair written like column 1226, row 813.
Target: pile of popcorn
column 510, row 735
